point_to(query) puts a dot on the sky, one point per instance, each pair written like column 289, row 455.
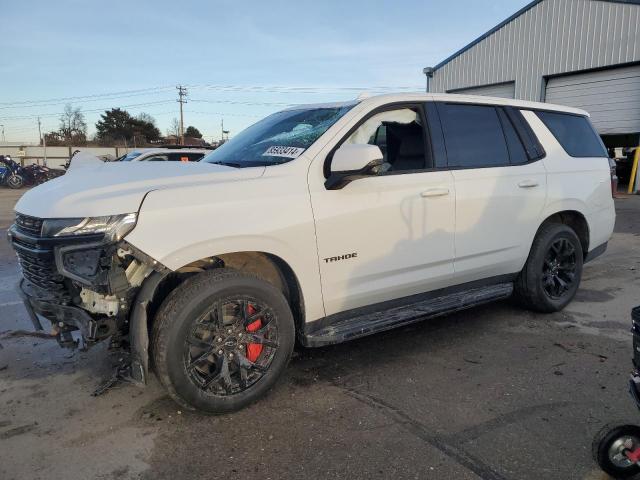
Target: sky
column 240, row 60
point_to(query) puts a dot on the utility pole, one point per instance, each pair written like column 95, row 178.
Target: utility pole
column 222, row 139
column 182, row 99
column 3, row 139
column 39, row 131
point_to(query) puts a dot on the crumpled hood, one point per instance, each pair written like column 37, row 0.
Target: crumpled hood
column 119, row 187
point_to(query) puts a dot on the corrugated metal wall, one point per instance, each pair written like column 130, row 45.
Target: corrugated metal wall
column 611, row 96
column 502, row 90
column 553, row 37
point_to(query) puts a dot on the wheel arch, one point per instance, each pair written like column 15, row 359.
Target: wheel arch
column 266, row 266
column 574, row 219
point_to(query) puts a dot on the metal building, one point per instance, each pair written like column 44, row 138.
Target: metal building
column 581, row 53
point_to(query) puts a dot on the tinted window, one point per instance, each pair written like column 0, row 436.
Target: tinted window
column 517, row 154
column 155, row 158
column 185, row 157
column 130, row 156
column 195, row 157
column 400, row 136
column 575, row 134
column 473, row 136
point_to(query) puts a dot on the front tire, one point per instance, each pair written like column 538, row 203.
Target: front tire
column 15, row 181
column 551, row 276
column 221, row 340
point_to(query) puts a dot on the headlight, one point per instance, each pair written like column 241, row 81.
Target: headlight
column 114, row 227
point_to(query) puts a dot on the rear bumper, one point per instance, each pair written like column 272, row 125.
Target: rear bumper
column 634, row 381
column 634, row 388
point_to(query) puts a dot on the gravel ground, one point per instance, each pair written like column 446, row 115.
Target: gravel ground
column 491, row 393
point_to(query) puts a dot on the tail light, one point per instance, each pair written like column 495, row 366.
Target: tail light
column 614, row 177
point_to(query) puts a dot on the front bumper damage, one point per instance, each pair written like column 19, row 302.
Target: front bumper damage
column 89, row 290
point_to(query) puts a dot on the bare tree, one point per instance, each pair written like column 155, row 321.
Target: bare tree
column 174, row 128
column 145, row 117
column 72, row 124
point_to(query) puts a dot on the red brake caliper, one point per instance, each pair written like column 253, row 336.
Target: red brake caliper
column 253, row 349
column 633, row 455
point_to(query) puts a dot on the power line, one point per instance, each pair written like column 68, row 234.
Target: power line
column 97, row 99
column 239, row 102
column 229, row 87
column 124, row 93
column 25, row 117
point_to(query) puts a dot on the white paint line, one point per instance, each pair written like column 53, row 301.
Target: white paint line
column 9, row 304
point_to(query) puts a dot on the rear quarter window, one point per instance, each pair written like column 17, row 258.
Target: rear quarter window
column 575, row 133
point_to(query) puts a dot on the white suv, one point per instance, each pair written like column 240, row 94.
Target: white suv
column 165, row 154
column 323, row 223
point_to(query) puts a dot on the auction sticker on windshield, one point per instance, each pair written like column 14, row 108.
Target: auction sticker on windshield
column 286, row 152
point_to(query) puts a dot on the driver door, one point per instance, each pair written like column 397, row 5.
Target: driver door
column 389, row 235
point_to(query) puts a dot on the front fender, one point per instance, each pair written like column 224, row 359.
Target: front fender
column 138, row 327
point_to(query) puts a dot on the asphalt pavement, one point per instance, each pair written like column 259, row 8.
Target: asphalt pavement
column 491, row 393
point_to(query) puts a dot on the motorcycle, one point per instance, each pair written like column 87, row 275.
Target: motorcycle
column 15, row 176
column 11, row 174
column 36, row 174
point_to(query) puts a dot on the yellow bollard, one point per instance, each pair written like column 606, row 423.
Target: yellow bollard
column 634, row 169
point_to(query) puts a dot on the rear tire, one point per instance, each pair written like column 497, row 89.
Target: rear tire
column 221, row 340
column 551, row 276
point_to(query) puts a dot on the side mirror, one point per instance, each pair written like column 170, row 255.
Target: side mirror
column 353, row 161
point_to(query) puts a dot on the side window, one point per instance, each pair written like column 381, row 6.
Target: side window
column 575, row 133
column 473, row 136
column 178, row 157
column 156, row 158
column 195, row 157
column 400, row 136
column 517, row 154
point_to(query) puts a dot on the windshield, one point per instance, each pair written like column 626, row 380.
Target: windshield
column 278, row 138
column 130, row 156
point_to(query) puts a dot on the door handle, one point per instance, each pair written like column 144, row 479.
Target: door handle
column 435, row 192
column 528, row 184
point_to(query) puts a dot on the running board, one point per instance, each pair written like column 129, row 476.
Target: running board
column 367, row 324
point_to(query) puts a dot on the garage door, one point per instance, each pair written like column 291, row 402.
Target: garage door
column 611, row 96
column 502, row 90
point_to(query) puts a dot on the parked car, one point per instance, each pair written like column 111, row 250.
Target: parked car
column 181, row 154
column 323, row 223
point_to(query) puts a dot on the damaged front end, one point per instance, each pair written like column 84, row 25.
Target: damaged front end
column 81, row 276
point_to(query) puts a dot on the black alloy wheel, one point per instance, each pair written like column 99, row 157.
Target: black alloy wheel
column 221, row 339
column 559, row 268
column 231, row 346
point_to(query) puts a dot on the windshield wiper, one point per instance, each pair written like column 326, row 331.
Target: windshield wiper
column 228, row 164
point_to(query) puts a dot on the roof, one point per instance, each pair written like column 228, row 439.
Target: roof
column 380, row 100
column 508, row 20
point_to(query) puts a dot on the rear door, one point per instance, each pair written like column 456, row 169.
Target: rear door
column 500, row 191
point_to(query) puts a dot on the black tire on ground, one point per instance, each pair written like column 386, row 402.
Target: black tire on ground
column 182, row 312
column 602, row 443
column 15, row 181
column 529, row 285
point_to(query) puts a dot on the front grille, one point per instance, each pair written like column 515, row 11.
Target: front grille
column 29, row 225
column 37, row 261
